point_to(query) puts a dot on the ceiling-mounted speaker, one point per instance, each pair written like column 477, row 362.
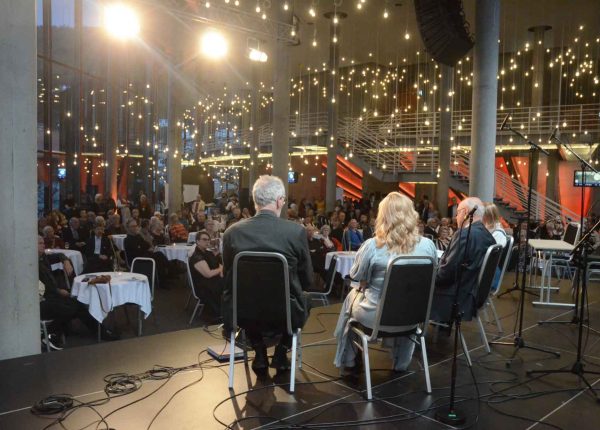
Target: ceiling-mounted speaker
column 444, row 30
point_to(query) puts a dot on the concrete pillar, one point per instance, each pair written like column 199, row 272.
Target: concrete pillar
column 174, row 143
column 254, row 137
column 485, row 94
column 537, row 89
column 112, row 126
column 332, row 93
column 281, row 106
column 443, row 176
column 19, row 302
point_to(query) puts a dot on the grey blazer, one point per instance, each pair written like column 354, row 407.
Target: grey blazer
column 268, row 233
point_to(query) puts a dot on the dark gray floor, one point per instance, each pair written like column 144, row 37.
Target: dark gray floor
column 321, row 398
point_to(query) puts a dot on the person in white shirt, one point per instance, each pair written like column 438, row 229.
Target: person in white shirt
column 491, row 220
column 198, row 207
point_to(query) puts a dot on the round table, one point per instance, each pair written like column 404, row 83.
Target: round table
column 75, row 257
column 345, row 260
column 125, row 287
column 177, row 251
column 119, row 241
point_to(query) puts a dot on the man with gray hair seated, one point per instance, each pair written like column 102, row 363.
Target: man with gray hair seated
column 480, row 240
column 267, row 232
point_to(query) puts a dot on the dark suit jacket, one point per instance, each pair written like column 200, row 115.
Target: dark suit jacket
column 105, row 247
column 135, row 246
column 268, row 233
column 445, row 284
column 68, row 237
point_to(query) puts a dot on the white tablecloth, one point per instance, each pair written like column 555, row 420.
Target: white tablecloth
column 177, row 251
column 125, row 287
column 345, row 261
column 75, row 257
column 119, row 241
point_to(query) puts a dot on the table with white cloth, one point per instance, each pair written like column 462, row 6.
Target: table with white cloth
column 177, row 251
column 345, row 260
column 75, row 257
column 124, row 287
column 119, row 241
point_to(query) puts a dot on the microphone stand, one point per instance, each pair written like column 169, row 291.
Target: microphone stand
column 576, row 280
column 452, row 416
column 519, row 342
column 578, row 367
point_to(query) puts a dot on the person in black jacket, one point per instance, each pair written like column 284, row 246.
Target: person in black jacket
column 136, row 246
column 480, row 240
column 57, row 304
column 98, row 252
column 74, row 235
column 267, row 232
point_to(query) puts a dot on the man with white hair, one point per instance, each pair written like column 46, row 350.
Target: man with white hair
column 480, row 240
column 267, row 232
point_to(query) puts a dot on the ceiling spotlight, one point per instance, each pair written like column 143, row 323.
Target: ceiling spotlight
column 213, row 45
column 121, row 21
column 257, row 55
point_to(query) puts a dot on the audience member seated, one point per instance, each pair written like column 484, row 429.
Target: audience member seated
column 99, row 206
column 98, row 252
column 114, row 226
column 74, row 235
column 316, row 249
column 57, row 304
column 446, row 223
column 267, row 232
column 177, row 232
column 236, row 215
column 136, row 246
column 157, row 231
column 430, row 229
column 329, row 243
column 352, row 238
column 365, row 226
column 50, row 240
column 207, row 274
column 212, row 228
column 89, row 223
column 337, row 231
column 144, row 208
column 199, row 222
column 185, row 218
column 135, row 214
column 444, row 236
column 198, row 206
column 145, row 231
column 480, row 240
column 246, row 213
column 396, row 234
column 491, row 220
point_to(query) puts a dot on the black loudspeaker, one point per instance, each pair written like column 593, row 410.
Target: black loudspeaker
column 444, row 30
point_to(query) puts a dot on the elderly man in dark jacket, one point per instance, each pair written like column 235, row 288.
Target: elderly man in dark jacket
column 445, row 284
column 267, row 232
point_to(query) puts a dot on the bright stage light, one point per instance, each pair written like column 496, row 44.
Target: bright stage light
column 121, row 21
column 213, row 45
column 256, row 55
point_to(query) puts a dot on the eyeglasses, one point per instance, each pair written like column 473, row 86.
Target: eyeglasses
column 205, row 239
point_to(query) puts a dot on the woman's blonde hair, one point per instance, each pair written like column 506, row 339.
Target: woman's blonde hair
column 397, row 224
column 491, row 216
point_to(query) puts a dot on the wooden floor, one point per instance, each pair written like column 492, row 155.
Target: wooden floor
column 497, row 395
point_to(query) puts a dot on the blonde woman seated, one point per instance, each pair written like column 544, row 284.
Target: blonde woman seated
column 396, row 234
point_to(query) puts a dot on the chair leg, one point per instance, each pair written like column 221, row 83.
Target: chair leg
column 231, row 358
column 483, row 335
column 485, row 313
column 198, row 305
column 493, row 307
column 365, row 348
column 45, row 331
column 244, row 344
column 466, row 350
column 425, row 363
column 299, row 348
column 293, row 372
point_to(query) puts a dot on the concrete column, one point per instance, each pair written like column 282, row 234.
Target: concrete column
column 485, row 93
column 443, row 176
column 281, row 106
column 332, row 93
column 537, row 92
column 174, row 143
column 19, row 302
column 254, row 137
column 112, row 126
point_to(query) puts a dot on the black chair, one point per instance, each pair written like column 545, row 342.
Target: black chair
column 502, row 264
column 406, row 303
column 484, row 286
column 261, row 292
column 329, row 278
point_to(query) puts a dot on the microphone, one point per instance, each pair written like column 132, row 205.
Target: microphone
column 504, row 121
column 472, row 211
